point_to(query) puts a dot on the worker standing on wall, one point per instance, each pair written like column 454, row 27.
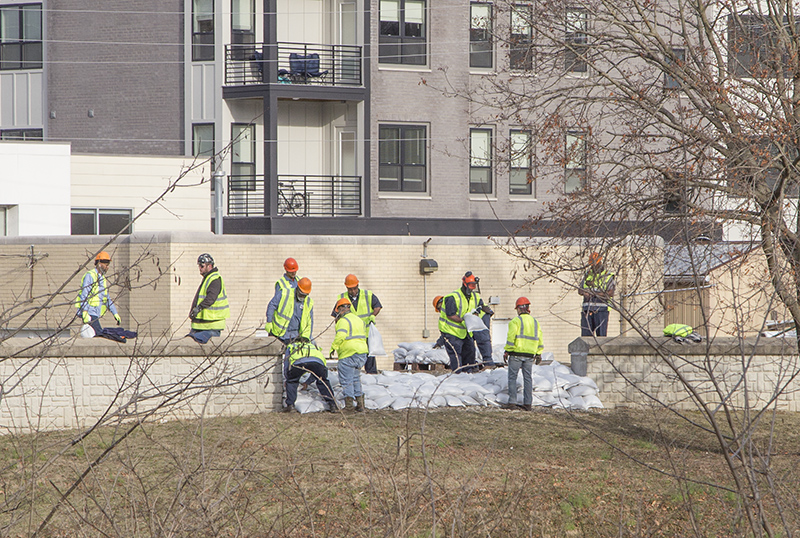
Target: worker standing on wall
column 597, row 288
column 93, row 299
column 366, row 306
column 210, row 306
column 523, row 349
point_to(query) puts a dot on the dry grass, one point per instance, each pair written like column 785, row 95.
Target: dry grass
column 455, row 472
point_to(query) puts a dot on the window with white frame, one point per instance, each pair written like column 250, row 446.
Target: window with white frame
column 402, row 29
column 575, row 164
column 480, row 161
column 94, row 221
column 402, row 153
column 243, row 157
column 21, row 36
column 202, row 30
column 480, row 35
column 520, row 179
column 576, row 40
column 521, row 47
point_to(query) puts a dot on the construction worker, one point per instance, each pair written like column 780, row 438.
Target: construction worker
column 523, row 348
column 93, row 299
column 350, row 343
column 366, row 306
column 279, row 304
column 210, row 306
column 306, row 358
column 298, row 311
column 597, row 288
column 457, row 340
column 483, row 339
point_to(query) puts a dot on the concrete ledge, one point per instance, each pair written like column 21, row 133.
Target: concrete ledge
column 718, row 346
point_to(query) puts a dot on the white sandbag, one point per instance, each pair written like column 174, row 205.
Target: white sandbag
column 454, row 401
column 400, row 390
column 369, row 380
column 400, row 355
column 593, row 402
column 588, row 381
column 474, row 323
column 548, row 356
column 401, row 403
column 470, row 401
column 373, row 391
column 542, row 384
column 581, row 390
column 439, row 401
column 87, row 331
column 375, row 342
column 577, row 402
column 381, row 402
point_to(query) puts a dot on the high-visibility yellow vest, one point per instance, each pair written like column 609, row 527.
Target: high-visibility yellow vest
column 283, row 314
column 364, row 307
column 524, row 336
column 463, row 306
column 300, row 350
column 215, row 315
column 600, row 282
column 95, row 298
column 351, row 336
column 678, row 329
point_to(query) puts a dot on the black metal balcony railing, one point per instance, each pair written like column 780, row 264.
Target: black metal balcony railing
column 298, row 196
column 298, row 63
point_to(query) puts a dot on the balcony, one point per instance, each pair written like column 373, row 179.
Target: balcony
column 298, row 63
column 298, row 196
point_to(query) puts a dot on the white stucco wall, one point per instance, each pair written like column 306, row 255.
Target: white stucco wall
column 133, row 182
column 35, row 185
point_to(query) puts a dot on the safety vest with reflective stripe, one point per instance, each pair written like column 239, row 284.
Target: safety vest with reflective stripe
column 301, row 350
column 285, row 310
column 463, row 306
column 678, row 329
column 351, row 336
column 97, row 298
column 213, row 317
column 524, row 336
column 599, row 282
column 364, row 307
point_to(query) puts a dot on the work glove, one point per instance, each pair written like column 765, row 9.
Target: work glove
column 86, row 317
column 370, row 319
column 537, row 360
column 488, row 310
column 119, row 319
column 195, row 311
column 330, row 356
column 505, row 357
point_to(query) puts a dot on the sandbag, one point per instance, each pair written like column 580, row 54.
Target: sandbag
column 474, row 323
column 87, row 331
column 375, row 342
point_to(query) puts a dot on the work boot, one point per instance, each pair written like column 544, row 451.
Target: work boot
column 331, row 407
column 349, row 405
column 508, row 406
column 360, row 403
column 525, row 407
column 289, row 409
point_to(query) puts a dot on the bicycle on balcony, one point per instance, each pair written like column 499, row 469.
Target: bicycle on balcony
column 291, row 201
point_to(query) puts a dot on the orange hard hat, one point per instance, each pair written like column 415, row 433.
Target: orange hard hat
column 102, row 256
column 595, row 258
column 436, row 302
column 522, row 301
column 304, row 285
column 351, row 281
column 290, row 264
column 342, row 301
column 470, row 280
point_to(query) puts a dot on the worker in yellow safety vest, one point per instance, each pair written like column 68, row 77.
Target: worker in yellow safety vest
column 210, row 306
column 523, row 349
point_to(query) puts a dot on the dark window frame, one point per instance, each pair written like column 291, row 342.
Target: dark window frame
column 403, row 42
column 752, row 50
column 517, row 188
column 521, row 49
column 478, row 171
column 481, row 42
column 22, row 134
column 576, row 41
column 203, row 34
column 22, row 51
column 243, row 173
column 98, row 214
column 409, row 177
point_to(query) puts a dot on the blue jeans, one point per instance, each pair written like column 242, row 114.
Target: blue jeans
column 514, row 364
column 594, row 322
column 484, row 341
column 203, row 336
column 350, row 374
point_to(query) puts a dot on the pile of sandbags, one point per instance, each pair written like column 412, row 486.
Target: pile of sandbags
column 419, row 353
column 554, row 385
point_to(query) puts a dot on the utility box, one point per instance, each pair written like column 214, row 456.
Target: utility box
column 428, row 266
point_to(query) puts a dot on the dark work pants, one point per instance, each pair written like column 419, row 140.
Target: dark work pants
column 370, row 366
column 594, row 322
column 319, row 374
column 484, row 341
column 461, row 352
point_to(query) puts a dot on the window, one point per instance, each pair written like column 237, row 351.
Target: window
column 520, row 177
column 576, row 40
column 675, row 61
column 754, row 48
column 203, row 141
column 521, row 46
column 674, row 192
column 575, row 162
column 243, row 157
column 402, row 32
column 202, row 30
column 480, row 35
column 100, row 221
column 480, row 161
column 21, row 36
column 243, row 29
column 21, row 134
column 403, row 161
column 761, row 161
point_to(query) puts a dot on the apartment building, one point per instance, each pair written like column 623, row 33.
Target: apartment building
column 325, row 116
